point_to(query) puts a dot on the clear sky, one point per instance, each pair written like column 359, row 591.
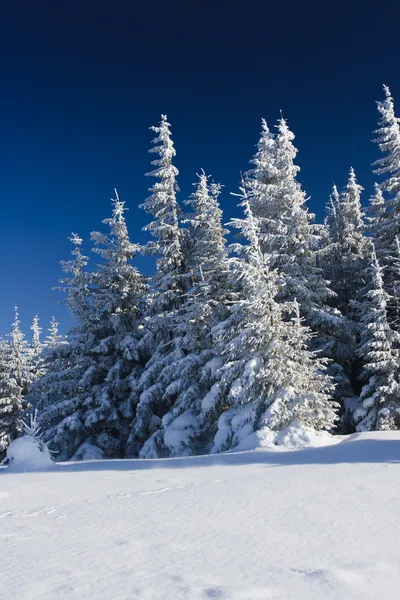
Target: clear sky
column 82, row 81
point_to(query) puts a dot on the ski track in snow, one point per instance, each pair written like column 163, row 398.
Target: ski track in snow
column 316, row 525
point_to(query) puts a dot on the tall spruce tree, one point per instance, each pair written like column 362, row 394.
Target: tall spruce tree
column 93, row 402
column 345, row 257
column 292, row 243
column 58, row 395
column 332, row 219
column 269, row 378
column 205, row 303
column 48, row 364
column 14, row 377
column 167, row 295
column 385, row 216
column 347, row 248
column 118, row 292
column 287, row 234
column 379, row 403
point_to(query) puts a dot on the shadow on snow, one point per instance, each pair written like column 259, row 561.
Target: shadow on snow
column 351, row 450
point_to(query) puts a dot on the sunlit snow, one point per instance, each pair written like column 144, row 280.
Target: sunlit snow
column 316, row 523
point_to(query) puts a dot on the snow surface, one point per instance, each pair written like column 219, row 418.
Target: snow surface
column 316, row 523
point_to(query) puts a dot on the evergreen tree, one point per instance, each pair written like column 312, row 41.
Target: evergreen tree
column 345, row 259
column 287, row 235
column 385, row 208
column 163, row 207
column 13, row 385
column 58, row 395
column 394, row 297
column 35, row 352
column 388, row 140
column 168, row 290
column 117, row 299
column 269, row 378
column 36, row 342
column 375, row 216
column 379, row 403
column 48, row 365
column 93, row 402
column 292, row 243
column 53, row 338
column 348, row 246
column 332, row 219
column 204, row 304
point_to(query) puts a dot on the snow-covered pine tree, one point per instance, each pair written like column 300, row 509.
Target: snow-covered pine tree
column 379, row 403
column 287, row 235
column 269, row 378
column 394, row 297
column 117, row 301
column 167, row 291
column 77, row 286
column 35, row 352
column 185, row 379
column 348, row 246
column 332, row 222
column 49, row 354
column 92, row 403
column 345, row 257
column 53, row 338
column 58, row 395
column 385, row 216
column 292, row 243
column 162, row 205
column 14, row 378
column 4, row 403
column 260, row 181
column 329, row 259
column 36, row 344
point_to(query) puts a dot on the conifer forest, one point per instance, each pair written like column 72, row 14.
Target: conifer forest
column 254, row 323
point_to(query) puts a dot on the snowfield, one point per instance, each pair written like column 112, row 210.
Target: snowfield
column 320, row 523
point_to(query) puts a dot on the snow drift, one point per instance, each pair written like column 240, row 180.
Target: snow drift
column 28, row 454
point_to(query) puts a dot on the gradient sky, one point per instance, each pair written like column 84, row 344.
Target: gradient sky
column 83, row 81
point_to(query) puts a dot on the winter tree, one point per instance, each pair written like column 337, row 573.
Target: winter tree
column 95, row 399
column 345, row 256
column 163, row 207
column 36, row 333
column 269, row 378
column 287, row 235
column 35, row 352
column 47, row 364
column 58, row 394
column 184, row 378
column 13, row 384
column 167, row 291
column 53, row 338
column 292, row 243
column 117, row 300
column 385, row 208
column 388, row 140
column 379, row 403
column 348, row 246
column 332, row 219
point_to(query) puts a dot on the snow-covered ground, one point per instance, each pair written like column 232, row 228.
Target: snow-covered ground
column 311, row 524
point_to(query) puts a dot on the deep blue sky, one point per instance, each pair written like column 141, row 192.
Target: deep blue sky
column 82, row 82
